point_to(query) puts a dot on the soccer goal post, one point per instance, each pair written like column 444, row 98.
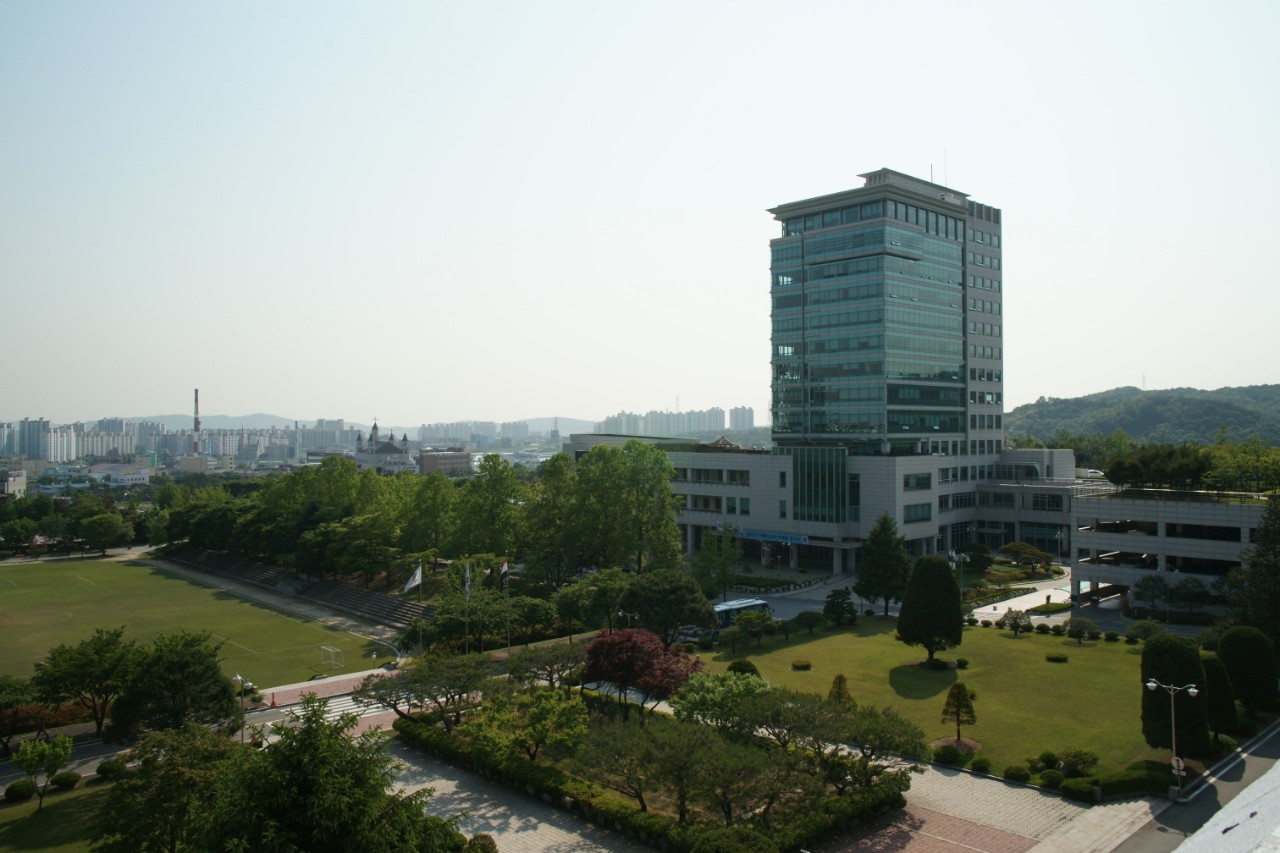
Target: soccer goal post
column 331, row 656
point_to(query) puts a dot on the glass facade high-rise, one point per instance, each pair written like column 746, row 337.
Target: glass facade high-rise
column 887, row 321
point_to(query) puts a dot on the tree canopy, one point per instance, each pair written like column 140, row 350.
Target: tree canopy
column 931, row 614
column 883, row 564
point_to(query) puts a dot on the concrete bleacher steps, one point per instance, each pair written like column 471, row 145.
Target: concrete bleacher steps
column 375, row 607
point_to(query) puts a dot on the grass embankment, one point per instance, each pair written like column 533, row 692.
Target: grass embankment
column 46, row 603
column 1025, row 704
column 62, row 826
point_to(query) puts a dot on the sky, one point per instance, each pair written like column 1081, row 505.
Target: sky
column 429, row 212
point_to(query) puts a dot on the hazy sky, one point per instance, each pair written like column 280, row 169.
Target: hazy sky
column 501, row 210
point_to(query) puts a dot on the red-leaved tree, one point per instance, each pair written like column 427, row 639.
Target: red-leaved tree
column 637, row 659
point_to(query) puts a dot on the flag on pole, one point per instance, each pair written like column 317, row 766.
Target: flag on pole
column 416, row 580
column 468, row 581
column 502, row 576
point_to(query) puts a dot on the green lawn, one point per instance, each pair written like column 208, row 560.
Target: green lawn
column 47, row 603
column 62, row 826
column 1025, row 705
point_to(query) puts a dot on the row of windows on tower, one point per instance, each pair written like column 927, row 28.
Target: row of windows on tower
column 930, row 221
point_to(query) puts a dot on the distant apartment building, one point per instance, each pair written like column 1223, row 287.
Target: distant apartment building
column 13, row 483
column 742, row 417
column 658, row 424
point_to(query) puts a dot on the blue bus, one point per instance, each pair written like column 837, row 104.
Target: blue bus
column 726, row 612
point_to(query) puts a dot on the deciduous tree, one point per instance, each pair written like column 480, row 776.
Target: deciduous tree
column 36, row 757
column 92, row 673
column 665, row 600
column 151, row 809
column 177, row 680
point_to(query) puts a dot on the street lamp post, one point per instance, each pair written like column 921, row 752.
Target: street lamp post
column 245, row 684
column 1173, row 691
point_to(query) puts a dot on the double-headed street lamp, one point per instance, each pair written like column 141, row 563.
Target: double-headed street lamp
column 1193, row 692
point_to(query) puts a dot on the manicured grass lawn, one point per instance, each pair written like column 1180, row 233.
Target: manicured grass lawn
column 47, row 603
column 1025, row 705
column 62, row 826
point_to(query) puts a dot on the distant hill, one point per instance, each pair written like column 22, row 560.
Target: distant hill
column 1174, row 416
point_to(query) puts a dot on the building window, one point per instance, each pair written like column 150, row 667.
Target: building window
column 782, row 509
column 744, row 506
column 916, row 512
column 782, row 479
column 731, row 506
column 916, row 482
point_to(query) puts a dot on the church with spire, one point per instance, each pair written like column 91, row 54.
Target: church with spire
column 384, row 455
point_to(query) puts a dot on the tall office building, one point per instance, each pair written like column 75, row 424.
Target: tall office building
column 887, row 321
column 887, row 391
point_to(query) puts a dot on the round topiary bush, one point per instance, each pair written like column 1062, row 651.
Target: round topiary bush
column 66, row 780
column 1058, row 630
column 1095, row 635
column 20, row 791
column 962, row 663
column 948, row 754
column 985, row 623
column 1050, row 779
column 481, row 842
column 1111, row 636
column 112, row 769
column 1017, row 773
column 690, row 648
column 980, row 765
column 1042, row 628
column 971, row 621
column 1049, row 759
column 870, row 611
column 745, row 667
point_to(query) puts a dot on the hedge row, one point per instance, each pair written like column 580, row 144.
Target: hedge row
column 611, row 811
column 1122, row 784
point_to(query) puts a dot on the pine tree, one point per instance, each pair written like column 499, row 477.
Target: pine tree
column 959, row 707
column 931, row 614
column 839, row 693
column 883, row 563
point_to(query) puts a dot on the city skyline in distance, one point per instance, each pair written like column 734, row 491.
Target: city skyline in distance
column 412, row 209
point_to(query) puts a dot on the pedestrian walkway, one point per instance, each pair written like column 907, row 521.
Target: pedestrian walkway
column 519, row 824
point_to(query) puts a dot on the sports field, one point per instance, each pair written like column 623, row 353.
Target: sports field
column 46, row 603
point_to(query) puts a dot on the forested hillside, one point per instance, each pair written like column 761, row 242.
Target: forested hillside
column 1173, row 416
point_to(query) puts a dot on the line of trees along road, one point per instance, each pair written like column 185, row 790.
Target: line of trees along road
column 613, row 507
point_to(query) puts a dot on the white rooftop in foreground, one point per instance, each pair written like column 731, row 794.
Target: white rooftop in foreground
column 1251, row 821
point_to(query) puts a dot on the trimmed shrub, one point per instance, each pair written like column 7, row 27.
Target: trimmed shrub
column 802, row 665
column 20, row 791
column 745, row 667
column 948, row 754
column 1111, row 636
column 481, row 842
column 734, row 839
column 1056, row 658
column 980, row 765
column 1042, row 628
column 689, row 648
column 1143, row 629
column 971, row 621
column 985, row 623
column 937, row 664
column 1095, row 635
column 66, row 780
column 962, row 663
column 1001, row 624
column 112, row 769
column 1051, row 779
column 870, row 611
column 1130, row 641
column 1078, row 789
column 1058, row 630
column 1049, row 759
column 1017, row 773
column 1077, row 762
